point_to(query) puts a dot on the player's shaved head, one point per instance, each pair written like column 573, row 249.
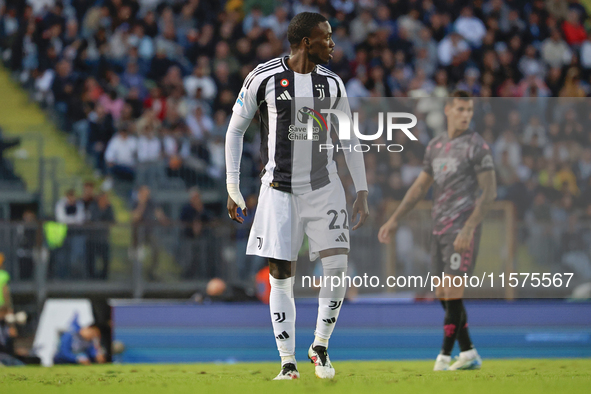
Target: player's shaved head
column 301, row 26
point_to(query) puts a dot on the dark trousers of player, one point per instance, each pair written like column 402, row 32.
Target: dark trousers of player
column 455, row 326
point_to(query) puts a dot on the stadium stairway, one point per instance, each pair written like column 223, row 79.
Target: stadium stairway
column 370, row 329
column 20, row 116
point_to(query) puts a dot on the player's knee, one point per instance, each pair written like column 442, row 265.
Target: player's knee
column 335, row 262
column 452, row 292
column 280, row 269
column 439, row 292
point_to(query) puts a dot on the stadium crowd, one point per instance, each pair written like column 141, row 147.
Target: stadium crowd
column 144, row 81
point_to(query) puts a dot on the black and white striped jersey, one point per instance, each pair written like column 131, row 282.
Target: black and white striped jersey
column 292, row 162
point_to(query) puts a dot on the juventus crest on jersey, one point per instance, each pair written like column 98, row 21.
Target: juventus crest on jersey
column 286, row 99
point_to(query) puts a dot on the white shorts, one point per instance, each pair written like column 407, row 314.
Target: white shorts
column 282, row 219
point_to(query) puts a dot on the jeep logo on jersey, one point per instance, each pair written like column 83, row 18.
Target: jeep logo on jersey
column 344, row 130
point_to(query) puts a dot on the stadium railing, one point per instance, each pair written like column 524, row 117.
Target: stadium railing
column 113, row 260
column 165, row 261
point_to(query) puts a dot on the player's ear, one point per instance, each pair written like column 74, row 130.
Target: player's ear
column 306, row 41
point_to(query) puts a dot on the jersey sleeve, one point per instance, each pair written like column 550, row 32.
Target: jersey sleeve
column 246, row 104
column 342, row 103
column 427, row 167
column 481, row 157
column 353, row 158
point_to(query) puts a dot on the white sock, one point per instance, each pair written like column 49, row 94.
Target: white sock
column 288, row 359
column 283, row 315
column 330, row 298
column 444, row 358
column 469, row 354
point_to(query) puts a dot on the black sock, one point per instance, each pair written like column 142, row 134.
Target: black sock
column 463, row 336
column 451, row 325
column 443, row 304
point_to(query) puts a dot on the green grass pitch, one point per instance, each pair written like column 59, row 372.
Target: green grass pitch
column 522, row 376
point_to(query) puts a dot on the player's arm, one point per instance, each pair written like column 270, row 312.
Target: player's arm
column 356, row 167
column 355, row 164
column 243, row 111
column 416, row 193
column 234, row 142
column 488, row 184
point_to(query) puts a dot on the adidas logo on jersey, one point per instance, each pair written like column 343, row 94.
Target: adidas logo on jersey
column 284, row 96
column 341, row 238
column 283, row 335
column 332, row 320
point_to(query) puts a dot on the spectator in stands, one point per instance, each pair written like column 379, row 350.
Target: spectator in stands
column 101, row 130
column 583, row 167
column 508, row 142
column 26, row 242
column 146, row 217
column 200, row 124
column 101, row 218
column 80, row 345
column 121, row 154
column 62, row 89
column 178, row 101
column 144, row 45
column 88, row 197
column 539, row 224
column 506, row 174
column 555, row 50
column 361, row 26
column 122, row 62
column 573, row 29
column 200, row 80
column 196, row 245
column 451, row 46
column 470, row 82
column 574, row 249
column 470, row 27
column 69, row 259
column 586, row 55
column 133, row 79
column 572, row 84
column 534, row 128
column 70, row 210
column 8, row 330
column 149, row 145
column 529, row 64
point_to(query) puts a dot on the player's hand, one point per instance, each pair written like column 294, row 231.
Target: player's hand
column 233, row 211
column 360, row 207
column 235, row 201
column 463, row 240
column 387, row 230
